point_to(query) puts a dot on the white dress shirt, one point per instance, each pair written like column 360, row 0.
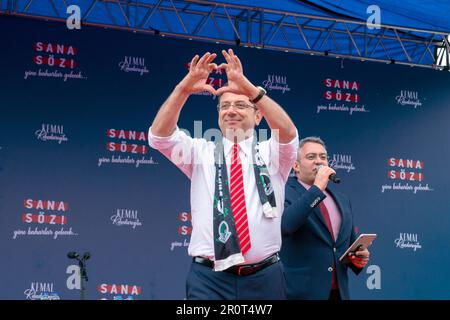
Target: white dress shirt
column 195, row 157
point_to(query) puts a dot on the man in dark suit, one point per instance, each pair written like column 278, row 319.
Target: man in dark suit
column 317, row 228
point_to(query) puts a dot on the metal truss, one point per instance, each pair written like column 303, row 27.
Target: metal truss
column 251, row 27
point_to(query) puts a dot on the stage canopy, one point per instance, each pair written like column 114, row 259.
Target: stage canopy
column 412, row 32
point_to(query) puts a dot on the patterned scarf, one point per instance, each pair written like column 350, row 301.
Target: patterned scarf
column 226, row 244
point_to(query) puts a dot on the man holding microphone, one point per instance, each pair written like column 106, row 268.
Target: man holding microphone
column 317, row 228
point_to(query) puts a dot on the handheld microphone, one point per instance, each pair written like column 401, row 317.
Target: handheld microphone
column 333, row 177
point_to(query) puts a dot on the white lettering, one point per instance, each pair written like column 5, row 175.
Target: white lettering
column 374, row 280
column 374, row 20
column 74, row 20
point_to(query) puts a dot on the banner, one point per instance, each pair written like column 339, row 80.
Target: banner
column 77, row 173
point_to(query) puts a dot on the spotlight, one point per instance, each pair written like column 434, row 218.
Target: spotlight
column 238, row 42
column 392, row 61
column 326, row 52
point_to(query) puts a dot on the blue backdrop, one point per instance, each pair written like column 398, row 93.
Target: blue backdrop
column 76, row 172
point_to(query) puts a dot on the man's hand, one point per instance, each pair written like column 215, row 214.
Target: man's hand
column 199, row 70
column 237, row 82
column 360, row 258
column 167, row 117
column 322, row 177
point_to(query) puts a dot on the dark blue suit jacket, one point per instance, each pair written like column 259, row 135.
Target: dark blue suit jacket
column 308, row 250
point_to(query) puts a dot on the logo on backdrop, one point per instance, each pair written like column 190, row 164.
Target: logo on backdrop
column 341, row 96
column 184, row 230
column 276, row 83
column 407, row 175
column 51, row 132
column 119, row 291
column 45, row 218
column 341, row 162
column 133, row 64
column 54, row 60
column 126, row 217
column 41, row 291
column 408, row 241
column 217, row 79
column 409, row 99
column 127, row 147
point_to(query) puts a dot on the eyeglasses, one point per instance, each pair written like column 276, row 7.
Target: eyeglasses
column 240, row 105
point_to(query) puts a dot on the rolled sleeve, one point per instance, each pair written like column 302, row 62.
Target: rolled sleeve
column 158, row 143
column 178, row 148
column 283, row 155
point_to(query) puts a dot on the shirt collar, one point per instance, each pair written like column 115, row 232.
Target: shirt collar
column 245, row 146
column 307, row 186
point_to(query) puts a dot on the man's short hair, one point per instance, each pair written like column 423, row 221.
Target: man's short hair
column 311, row 139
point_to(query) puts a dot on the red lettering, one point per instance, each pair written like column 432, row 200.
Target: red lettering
column 43, row 218
column 55, row 48
column 130, row 148
column 46, row 205
column 119, row 289
column 59, row 62
column 405, row 163
column 184, row 230
column 184, row 216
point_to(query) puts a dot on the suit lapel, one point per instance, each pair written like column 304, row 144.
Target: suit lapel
column 316, row 217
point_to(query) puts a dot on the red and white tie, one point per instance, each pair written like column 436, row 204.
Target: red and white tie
column 237, row 198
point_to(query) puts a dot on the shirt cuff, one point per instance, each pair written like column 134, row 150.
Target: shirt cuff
column 293, row 141
column 157, row 142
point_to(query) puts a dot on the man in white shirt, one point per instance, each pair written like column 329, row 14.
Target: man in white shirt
column 237, row 184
